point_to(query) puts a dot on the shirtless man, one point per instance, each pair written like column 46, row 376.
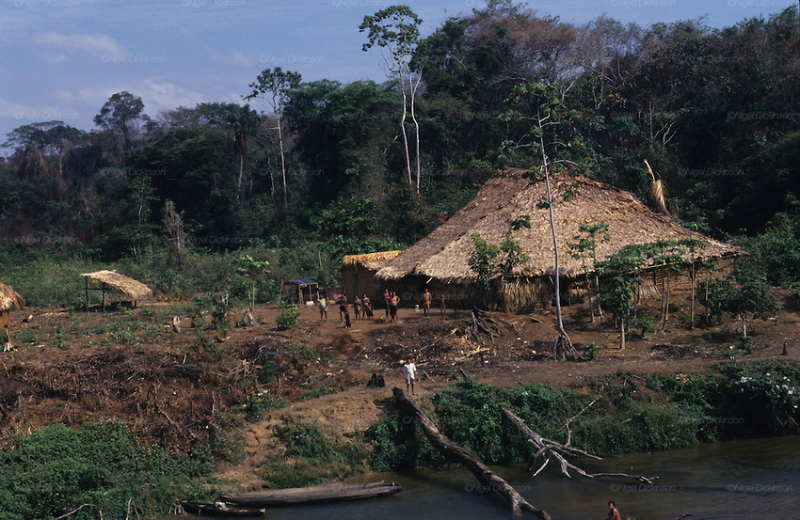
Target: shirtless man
column 394, row 301
column 386, row 298
column 613, row 514
column 426, row 302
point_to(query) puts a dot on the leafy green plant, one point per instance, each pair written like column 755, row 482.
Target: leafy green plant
column 100, row 464
column 590, row 351
column 257, row 405
column 289, row 318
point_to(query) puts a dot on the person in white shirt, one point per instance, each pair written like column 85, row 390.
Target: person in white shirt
column 410, row 371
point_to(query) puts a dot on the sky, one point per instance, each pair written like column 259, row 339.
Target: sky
column 63, row 59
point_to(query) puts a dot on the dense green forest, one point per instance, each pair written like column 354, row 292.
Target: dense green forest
column 211, row 196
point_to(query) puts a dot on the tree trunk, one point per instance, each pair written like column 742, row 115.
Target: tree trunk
column 744, row 326
column 622, row 334
column 283, row 166
column 691, row 313
column 403, row 129
column 7, row 346
column 562, row 347
column 666, row 299
column 413, row 89
column 454, row 453
column 241, row 169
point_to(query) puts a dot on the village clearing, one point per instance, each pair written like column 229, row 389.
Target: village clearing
column 171, row 388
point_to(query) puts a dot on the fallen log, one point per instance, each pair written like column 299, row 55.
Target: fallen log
column 455, row 453
column 556, row 451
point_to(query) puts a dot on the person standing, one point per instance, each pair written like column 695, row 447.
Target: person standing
column 323, row 310
column 394, row 301
column 343, row 306
column 410, row 371
column 386, row 298
column 613, row 514
column 357, row 307
column 426, row 302
column 367, row 306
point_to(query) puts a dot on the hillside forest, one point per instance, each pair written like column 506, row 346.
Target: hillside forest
column 219, row 196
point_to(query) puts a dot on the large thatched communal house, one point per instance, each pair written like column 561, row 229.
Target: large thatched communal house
column 358, row 273
column 9, row 300
column 440, row 260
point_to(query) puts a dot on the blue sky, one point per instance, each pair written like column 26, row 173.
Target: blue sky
column 62, row 59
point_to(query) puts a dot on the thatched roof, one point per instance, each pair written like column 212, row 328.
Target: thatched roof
column 372, row 261
column 444, row 254
column 133, row 289
column 9, row 298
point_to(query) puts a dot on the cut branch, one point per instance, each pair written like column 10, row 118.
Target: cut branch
column 557, row 451
column 455, row 453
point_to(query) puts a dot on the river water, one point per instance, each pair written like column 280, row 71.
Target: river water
column 753, row 479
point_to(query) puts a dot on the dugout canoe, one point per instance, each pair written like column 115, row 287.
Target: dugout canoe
column 221, row 509
column 325, row 493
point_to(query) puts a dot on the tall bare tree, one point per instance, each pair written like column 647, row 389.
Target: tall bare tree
column 396, row 29
column 274, row 86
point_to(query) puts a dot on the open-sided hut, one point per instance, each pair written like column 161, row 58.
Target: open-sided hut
column 440, row 260
column 304, row 290
column 358, row 273
column 9, row 300
column 111, row 279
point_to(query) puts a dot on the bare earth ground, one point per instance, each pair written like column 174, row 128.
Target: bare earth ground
column 173, row 388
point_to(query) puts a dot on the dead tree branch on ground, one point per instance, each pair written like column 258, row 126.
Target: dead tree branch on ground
column 454, row 453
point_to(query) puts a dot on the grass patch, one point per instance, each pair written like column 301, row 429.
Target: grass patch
column 309, row 458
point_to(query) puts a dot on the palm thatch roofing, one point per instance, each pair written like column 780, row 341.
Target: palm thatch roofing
column 133, row 289
column 9, row 298
column 508, row 195
column 371, row 261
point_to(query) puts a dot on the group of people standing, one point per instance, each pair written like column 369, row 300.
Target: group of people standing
column 362, row 306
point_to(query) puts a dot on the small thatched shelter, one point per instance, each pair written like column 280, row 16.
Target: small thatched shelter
column 9, row 300
column 440, row 260
column 358, row 273
column 132, row 289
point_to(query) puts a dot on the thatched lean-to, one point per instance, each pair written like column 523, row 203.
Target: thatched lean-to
column 440, row 260
column 9, row 300
column 133, row 289
column 358, row 273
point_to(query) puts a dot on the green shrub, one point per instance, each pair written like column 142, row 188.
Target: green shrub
column 257, row 405
column 57, row 469
column 309, row 458
column 289, row 318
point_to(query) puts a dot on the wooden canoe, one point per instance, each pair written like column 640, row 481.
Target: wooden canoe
column 326, row 493
column 220, row 509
